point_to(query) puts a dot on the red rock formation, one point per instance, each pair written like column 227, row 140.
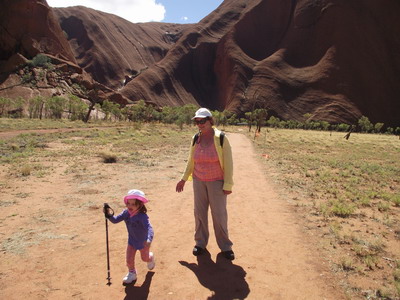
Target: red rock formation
column 28, row 27
column 336, row 60
column 112, row 49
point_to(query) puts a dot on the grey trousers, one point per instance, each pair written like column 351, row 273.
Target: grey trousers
column 210, row 194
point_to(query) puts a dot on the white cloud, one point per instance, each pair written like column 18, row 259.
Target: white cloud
column 131, row 10
column 184, row 18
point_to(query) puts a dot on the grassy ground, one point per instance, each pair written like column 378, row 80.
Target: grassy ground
column 346, row 191
column 7, row 124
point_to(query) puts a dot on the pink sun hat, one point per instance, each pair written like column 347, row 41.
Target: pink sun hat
column 135, row 194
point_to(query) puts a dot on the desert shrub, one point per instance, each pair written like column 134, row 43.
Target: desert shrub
column 273, row 122
column 378, row 127
column 5, row 104
column 35, row 107
column 40, row 60
column 77, row 108
column 55, row 107
column 108, row 158
column 342, row 127
column 25, row 170
column 365, row 124
column 341, row 208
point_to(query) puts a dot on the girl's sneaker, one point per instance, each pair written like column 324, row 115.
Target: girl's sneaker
column 152, row 263
column 130, row 277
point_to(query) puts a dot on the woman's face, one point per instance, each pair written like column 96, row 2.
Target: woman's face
column 204, row 124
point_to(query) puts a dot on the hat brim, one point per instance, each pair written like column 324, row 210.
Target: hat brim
column 129, row 197
column 200, row 117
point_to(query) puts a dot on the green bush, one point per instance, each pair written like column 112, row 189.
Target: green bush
column 40, row 60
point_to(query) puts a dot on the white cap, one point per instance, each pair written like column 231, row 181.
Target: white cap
column 202, row 113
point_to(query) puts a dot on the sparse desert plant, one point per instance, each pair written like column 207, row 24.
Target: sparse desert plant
column 108, row 158
column 341, row 208
column 383, row 206
column 40, row 60
column 396, row 200
column 346, row 264
column 26, row 170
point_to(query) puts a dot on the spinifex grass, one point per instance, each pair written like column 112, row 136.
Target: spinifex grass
column 141, row 144
column 348, row 191
column 24, row 124
column 343, row 175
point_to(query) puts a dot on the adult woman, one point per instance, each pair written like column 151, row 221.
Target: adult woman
column 210, row 164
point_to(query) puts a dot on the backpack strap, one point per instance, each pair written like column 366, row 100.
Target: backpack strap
column 221, row 138
column 196, row 137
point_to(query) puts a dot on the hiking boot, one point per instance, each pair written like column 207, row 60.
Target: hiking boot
column 198, row 250
column 229, row 254
column 129, row 278
column 152, row 263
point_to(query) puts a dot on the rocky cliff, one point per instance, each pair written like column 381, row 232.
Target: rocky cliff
column 112, row 49
column 336, row 60
column 332, row 60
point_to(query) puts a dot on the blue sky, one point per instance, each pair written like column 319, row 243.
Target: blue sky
column 170, row 11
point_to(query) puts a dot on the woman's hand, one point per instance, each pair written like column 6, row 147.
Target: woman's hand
column 227, row 192
column 180, row 185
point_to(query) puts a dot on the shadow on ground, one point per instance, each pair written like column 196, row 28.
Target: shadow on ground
column 225, row 279
column 139, row 292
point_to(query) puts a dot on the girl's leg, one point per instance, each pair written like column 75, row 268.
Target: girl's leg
column 145, row 253
column 148, row 256
column 130, row 258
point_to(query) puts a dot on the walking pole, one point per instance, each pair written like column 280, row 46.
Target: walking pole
column 106, row 213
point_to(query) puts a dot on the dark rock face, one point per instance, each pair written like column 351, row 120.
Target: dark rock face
column 30, row 28
column 112, row 49
column 336, row 60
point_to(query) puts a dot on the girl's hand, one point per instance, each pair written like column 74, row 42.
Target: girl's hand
column 180, row 185
column 227, row 192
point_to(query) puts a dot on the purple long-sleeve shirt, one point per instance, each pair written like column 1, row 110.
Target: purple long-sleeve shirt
column 138, row 226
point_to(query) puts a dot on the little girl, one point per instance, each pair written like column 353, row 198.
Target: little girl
column 140, row 232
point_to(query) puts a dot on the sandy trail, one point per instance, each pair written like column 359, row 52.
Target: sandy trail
column 53, row 237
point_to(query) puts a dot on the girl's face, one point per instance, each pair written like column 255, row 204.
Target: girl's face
column 133, row 205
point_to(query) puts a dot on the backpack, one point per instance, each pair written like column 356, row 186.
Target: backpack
column 221, row 138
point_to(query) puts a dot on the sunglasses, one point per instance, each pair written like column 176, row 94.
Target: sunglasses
column 202, row 121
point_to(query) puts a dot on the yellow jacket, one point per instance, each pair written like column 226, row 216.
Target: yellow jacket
column 225, row 159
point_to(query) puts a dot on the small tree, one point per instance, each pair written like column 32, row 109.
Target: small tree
column 232, row 119
column 110, row 108
column 273, row 122
column 260, row 117
column 378, row 127
column 55, row 107
column 5, row 105
column 249, row 117
column 365, row 124
column 76, row 108
column 35, row 107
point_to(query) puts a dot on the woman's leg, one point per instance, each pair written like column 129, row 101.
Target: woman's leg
column 200, row 213
column 219, row 214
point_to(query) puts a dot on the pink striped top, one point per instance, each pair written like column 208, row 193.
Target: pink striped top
column 206, row 163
